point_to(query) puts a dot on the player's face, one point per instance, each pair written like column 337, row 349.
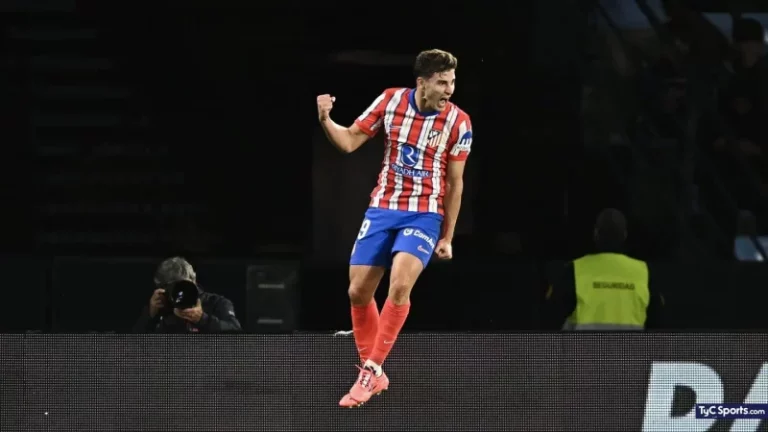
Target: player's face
column 438, row 89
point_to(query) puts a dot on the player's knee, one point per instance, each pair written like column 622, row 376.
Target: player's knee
column 360, row 294
column 399, row 290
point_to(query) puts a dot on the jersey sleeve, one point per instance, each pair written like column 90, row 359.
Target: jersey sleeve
column 370, row 120
column 462, row 140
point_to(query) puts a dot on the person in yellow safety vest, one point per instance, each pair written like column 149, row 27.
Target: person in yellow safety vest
column 607, row 290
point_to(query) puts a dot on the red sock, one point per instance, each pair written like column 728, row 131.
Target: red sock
column 365, row 325
column 392, row 319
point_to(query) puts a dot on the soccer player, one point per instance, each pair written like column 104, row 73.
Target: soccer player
column 413, row 208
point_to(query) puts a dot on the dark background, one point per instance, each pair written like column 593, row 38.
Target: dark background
column 132, row 133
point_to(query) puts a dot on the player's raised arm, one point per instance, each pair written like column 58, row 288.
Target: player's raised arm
column 349, row 139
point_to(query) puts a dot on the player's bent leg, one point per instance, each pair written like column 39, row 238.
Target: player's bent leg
column 365, row 320
column 368, row 262
column 371, row 255
column 363, row 282
column 413, row 247
column 406, row 269
column 372, row 380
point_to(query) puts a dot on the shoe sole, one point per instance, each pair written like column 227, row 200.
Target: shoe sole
column 363, row 403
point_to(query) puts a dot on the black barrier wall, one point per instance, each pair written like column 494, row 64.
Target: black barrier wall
column 78, row 295
column 521, row 382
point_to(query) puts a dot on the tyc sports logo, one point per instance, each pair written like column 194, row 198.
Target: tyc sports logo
column 665, row 410
column 732, row 411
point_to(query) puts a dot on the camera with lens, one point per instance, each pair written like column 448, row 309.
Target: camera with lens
column 181, row 294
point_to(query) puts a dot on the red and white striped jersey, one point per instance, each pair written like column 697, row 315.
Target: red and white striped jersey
column 418, row 147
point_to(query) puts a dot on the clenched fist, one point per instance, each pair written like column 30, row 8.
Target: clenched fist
column 324, row 106
column 444, row 250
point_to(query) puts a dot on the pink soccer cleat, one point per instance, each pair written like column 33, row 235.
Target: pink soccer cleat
column 367, row 385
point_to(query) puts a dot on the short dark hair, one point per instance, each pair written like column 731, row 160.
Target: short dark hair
column 610, row 228
column 173, row 270
column 433, row 61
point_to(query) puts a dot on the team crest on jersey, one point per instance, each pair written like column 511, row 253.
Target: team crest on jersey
column 433, row 137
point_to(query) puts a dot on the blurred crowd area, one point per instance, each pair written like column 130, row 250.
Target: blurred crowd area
column 673, row 100
column 161, row 140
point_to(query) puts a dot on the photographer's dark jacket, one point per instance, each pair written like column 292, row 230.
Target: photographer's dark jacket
column 218, row 317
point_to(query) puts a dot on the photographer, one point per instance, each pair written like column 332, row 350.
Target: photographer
column 179, row 305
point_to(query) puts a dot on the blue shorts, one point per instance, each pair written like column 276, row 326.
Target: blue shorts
column 386, row 232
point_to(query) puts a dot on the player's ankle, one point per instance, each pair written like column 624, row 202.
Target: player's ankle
column 376, row 368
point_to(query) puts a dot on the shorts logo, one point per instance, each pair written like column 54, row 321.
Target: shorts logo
column 418, row 234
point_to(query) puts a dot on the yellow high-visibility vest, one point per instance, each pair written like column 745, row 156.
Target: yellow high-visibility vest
column 611, row 293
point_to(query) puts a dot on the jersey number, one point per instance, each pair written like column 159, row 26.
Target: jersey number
column 364, row 229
